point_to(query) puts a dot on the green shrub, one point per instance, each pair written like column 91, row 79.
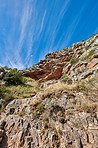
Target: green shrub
column 74, row 61
column 9, row 97
column 91, row 52
column 70, row 48
column 40, row 107
column 90, row 109
column 14, row 77
column 4, row 91
column 80, row 86
column 96, row 45
column 92, row 42
column 38, row 110
column 65, row 77
column 89, row 39
column 59, row 131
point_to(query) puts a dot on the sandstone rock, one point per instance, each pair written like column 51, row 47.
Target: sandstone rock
column 66, row 68
column 92, row 63
column 56, row 74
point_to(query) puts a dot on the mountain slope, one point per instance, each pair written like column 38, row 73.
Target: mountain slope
column 59, row 109
column 77, row 61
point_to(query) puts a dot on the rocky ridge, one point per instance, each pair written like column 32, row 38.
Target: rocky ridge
column 77, row 61
column 63, row 113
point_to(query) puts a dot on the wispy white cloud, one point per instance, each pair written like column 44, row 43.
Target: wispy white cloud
column 49, row 47
column 14, row 56
column 96, row 30
column 42, row 23
column 35, row 30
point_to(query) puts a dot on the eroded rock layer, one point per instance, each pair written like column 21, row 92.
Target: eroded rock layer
column 77, row 61
column 60, row 112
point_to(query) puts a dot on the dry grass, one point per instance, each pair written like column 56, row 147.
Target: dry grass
column 90, row 86
column 20, row 91
column 55, row 88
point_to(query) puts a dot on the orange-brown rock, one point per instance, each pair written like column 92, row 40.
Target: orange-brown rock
column 1, row 139
column 56, row 74
column 37, row 74
column 58, row 63
column 92, row 63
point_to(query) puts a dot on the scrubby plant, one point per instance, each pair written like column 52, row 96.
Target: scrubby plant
column 74, row 61
column 91, row 42
column 14, row 77
column 59, row 131
column 9, row 97
column 80, row 86
column 4, row 91
column 53, row 102
column 70, row 48
column 91, row 52
column 65, row 77
column 90, row 108
column 22, row 112
column 45, row 124
column 40, row 107
column 96, row 45
column 89, row 39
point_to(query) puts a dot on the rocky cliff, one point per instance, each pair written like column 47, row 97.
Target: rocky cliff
column 77, row 61
column 59, row 109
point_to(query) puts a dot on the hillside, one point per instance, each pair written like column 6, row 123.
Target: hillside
column 53, row 104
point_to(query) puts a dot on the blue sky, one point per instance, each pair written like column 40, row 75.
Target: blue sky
column 29, row 29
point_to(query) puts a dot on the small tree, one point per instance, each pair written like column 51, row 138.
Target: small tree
column 14, row 77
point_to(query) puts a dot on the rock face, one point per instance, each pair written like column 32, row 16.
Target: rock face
column 58, row 63
column 69, row 121
column 59, row 115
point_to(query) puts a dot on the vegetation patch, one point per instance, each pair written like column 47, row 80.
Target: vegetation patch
column 20, row 91
column 22, row 112
column 14, row 77
column 74, row 61
column 91, row 52
column 90, row 108
column 64, row 77
column 38, row 109
column 89, row 39
column 96, row 45
column 70, row 48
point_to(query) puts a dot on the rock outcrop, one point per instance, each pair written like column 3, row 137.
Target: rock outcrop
column 70, row 120
column 60, row 62
column 57, row 114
